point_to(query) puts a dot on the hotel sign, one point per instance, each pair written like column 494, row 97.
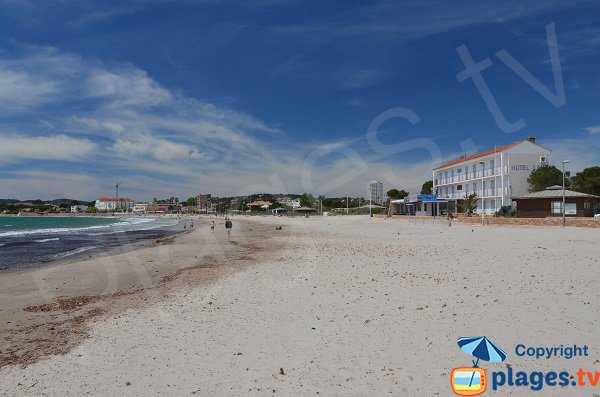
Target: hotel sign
column 420, row 197
column 525, row 167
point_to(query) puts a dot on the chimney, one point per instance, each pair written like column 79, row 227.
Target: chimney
column 531, row 139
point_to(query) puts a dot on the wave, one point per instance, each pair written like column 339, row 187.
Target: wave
column 122, row 223
column 45, row 240
column 73, row 252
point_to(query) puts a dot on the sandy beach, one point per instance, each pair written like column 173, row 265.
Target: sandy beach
column 324, row 306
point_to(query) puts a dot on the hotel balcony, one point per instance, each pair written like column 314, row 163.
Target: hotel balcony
column 490, row 172
column 486, row 194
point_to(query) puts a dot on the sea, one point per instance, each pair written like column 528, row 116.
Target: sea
column 30, row 241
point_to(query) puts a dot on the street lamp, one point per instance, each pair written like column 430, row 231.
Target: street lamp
column 564, row 215
column 482, row 191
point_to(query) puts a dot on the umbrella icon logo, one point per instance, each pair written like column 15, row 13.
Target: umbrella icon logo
column 471, row 381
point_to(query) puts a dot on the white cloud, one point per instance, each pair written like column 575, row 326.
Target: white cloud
column 361, row 78
column 159, row 142
column 593, row 130
column 58, row 147
column 21, row 90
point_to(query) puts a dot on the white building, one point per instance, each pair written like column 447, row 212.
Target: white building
column 497, row 174
column 140, row 207
column 78, row 208
column 376, row 193
column 111, row 204
column 289, row 202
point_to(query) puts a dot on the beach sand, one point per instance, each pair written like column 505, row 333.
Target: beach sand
column 328, row 306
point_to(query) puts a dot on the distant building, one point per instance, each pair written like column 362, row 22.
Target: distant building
column 112, row 204
column 78, row 208
column 140, row 207
column 203, row 203
column 376, row 193
column 496, row 175
column 290, row 202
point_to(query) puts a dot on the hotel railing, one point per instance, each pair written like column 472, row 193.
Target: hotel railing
column 471, row 176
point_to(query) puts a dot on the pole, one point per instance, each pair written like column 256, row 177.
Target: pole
column 564, row 212
column 347, row 208
column 482, row 193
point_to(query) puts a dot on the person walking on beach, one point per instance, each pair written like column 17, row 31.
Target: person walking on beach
column 228, row 226
column 212, row 227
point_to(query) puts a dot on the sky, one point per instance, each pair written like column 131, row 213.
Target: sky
column 177, row 98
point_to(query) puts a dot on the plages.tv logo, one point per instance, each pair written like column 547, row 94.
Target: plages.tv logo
column 472, row 381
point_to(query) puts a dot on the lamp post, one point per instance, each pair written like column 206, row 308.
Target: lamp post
column 564, row 214
column 482, row 191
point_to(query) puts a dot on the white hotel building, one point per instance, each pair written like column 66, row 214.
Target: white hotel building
column 497, row 175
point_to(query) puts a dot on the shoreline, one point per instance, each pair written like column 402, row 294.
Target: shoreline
column 127, row 240
column 47, row 309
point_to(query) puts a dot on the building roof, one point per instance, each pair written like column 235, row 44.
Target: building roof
column 553, row 192
column 482, row 154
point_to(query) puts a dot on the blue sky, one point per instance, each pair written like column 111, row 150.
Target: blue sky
column 228, row 97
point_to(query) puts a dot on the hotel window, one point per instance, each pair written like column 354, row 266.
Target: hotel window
column 459, row 170
column 459, row 187
column 556, row 207
column 446, row 174
column 492, row 163
column 475, row 187
column 452, row 173
column 446, row 190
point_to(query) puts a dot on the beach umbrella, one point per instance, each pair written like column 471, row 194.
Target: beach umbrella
column 481, row 348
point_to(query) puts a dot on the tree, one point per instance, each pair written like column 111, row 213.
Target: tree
column 307, row 200
column 427, row 188
column 396, row 194
column 469, row 203
column 544, row 177
column 192, row 201
column 588, row 181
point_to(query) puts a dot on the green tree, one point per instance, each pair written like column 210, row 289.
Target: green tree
column 469, row 203
column 307, row 200
column 396, row 194
column 192, row 201
column 587, row 181
column 544, row 177
column 427, row 188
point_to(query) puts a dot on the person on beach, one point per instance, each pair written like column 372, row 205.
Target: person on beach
column 228, row 226
column 212, row 227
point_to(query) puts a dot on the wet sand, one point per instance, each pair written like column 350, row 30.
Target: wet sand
column 47, row 310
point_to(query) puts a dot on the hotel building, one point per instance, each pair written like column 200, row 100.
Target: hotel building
column 111, row 204
column 376, row 193
column 498, row 175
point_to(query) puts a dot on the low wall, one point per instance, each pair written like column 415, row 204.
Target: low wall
column 490, row 220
